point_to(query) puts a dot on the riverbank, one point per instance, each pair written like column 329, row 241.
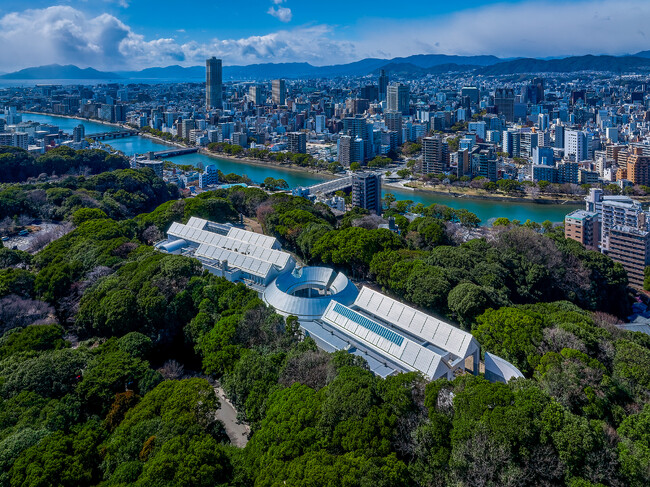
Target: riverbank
column 81, row 119
column 477, row 194
column 275, row 164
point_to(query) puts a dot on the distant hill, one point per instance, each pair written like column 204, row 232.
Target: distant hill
column 568, row 65
column 408, row 69
column 417, row 65
column 56, row 71
column 166, row 72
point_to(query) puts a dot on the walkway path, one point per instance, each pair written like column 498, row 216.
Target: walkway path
column 227, row 414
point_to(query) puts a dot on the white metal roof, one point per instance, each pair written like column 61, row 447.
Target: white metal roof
column 198, row 236
column 253, row 238
column 372, row 334
column 440, row 334
column 245, row 262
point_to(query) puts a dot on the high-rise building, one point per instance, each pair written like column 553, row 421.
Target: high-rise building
column 297, row 142
column 279, row 91
column 210, row 175
column 213, row 83
column 394, row 123
column 398, row 98
column 320, row 122
column 631, row 247
column 383, row 85
column 471, row 92
column 575, row 145
column 512, row 142
column 255, row 94
column 504, row 101
column 432, row 160
column 584, row 227
column 366, row 191
column 638, row 167
column 350, row 149
column 623, row 228
column 78, row 133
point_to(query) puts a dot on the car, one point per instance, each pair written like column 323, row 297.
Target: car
column 22, row 233
column 5, row 238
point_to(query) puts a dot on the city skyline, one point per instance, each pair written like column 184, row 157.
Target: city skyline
column 133, row 35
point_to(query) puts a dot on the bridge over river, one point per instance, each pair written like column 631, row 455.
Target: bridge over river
column 120, row 134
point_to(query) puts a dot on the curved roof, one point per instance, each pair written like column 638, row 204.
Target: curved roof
column 279, row 293
column 498, row 369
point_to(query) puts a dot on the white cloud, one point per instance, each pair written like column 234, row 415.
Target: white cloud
column 278, row 2
column 283, row 14
column 532, row 28
column 65, row 35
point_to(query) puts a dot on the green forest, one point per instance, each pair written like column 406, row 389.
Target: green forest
column 109, row 352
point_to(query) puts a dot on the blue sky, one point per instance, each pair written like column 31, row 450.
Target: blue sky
column 129, row 34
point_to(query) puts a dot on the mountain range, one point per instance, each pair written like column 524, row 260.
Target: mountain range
column 417, row 65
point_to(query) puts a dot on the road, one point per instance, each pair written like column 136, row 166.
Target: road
column 227, row 414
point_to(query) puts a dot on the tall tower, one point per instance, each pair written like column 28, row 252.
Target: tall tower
column 279, row 91
column 398, row 98
column 213, row 82
column 383, row 84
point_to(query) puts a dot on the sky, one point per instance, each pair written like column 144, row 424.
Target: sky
column 134, row 34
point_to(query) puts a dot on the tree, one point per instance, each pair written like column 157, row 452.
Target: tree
column 85, row 214
column 466, row 301
column 355, row 166
column 646, row 279
column 511, row 333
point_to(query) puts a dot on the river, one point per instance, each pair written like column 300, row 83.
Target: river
column 484, row 209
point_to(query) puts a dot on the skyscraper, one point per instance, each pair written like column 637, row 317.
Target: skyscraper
column 383, row 84
column 297, row 142
column 432, row 160
column 213, row 83
column 398, row 98
column 279, row 91
column 504, row 101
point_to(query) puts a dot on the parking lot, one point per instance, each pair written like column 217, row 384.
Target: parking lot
column 25, row 242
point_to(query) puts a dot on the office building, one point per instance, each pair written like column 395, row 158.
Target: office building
column 278, row 92
column 483, row 165
column 575, row 145
column 504, row 101
column 398, row 98
column 383, row 85
column 320, row 123
column 432, row 157
column 543, row 156
column 255, row 94
column 366, row 191
column 512, row 142
column 297, row 142
column 471, row 92
column 213, row 83
column 393, row 122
